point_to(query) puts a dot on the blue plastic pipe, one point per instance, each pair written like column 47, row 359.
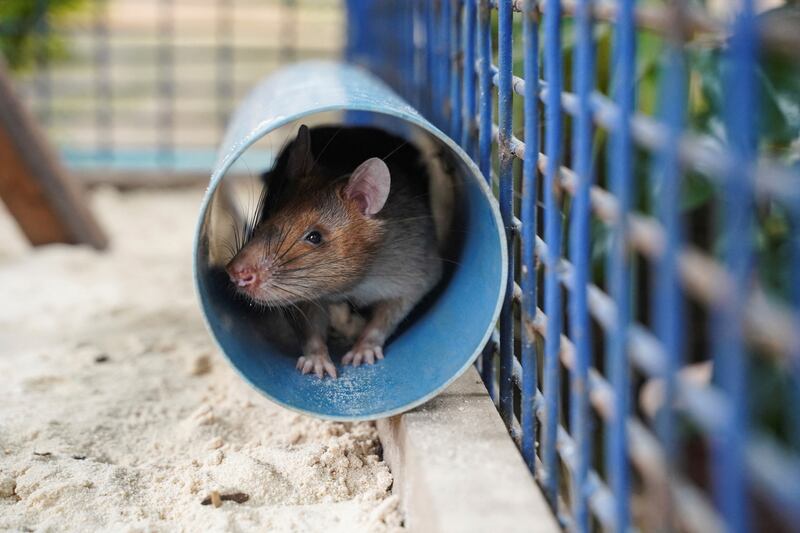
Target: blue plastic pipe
column 433, row 350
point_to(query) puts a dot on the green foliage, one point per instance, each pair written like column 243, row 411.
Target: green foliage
column 778, row 86
column 771, row 396
column 23, row 36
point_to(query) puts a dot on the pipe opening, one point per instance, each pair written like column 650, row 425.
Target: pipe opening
column 437, row 341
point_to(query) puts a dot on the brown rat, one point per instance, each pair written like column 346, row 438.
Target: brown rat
column 347, row 222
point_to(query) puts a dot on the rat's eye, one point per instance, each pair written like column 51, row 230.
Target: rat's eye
column 314, row 237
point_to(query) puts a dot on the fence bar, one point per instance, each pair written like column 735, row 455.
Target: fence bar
column 408, row 44
column 437, row 98
column 420, row 46
column 443, row 63
column 730, row 355
column 485, row 141
column 552, row 227
column 390, row 45
column 580, row 329
column 468, row 109
column 506, row 157
column 528, row 275
column 485, row 94
column 619, row 258
column 666, row 302
column 455, row 68
column 430, row 96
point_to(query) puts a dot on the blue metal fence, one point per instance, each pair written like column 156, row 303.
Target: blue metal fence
column 586, row 335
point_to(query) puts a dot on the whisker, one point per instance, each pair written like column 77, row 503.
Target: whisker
column 293, row 259
column 282, row 236
column 289, row 249
column 390, row 154
column 325, row 148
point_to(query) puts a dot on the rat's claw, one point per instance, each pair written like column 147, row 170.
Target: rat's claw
column 320, row 364
column 304, row 364
column 363, row 354
column 323, row 365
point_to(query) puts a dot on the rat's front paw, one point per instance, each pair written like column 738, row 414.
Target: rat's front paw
column 320, row 363
column 363, row 352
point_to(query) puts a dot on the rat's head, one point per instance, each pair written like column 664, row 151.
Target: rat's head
column 320, row 239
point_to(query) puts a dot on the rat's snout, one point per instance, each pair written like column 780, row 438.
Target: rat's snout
column 246, row 271
column 242, row 276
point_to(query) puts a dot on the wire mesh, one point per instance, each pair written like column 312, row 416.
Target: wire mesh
column 629, row 361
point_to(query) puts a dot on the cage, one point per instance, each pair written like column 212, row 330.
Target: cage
column 644, row 156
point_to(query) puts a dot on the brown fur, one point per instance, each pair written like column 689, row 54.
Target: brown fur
column 299, row 270
column 386, row 261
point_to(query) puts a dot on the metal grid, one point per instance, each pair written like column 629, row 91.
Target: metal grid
column 148, row 85
column 574, row 347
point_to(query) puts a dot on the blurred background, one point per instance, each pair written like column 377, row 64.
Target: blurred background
column 132, row 90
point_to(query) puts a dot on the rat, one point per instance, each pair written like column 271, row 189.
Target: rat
column 346, row 223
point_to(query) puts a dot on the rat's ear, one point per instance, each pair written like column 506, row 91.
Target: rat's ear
column 301, row 160
column 369, row 186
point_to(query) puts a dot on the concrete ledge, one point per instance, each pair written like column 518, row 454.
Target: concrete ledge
column 456, row 468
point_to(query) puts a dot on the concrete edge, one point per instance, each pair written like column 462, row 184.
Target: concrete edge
column 456, row 468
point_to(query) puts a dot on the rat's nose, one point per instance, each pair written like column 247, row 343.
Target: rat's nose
column 246, row 279
column 242, row 277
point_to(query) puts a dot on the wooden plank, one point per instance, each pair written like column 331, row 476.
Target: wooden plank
column 48, row 206
column 455, row 467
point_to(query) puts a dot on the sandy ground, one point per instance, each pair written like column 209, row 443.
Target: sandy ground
column 117, row 414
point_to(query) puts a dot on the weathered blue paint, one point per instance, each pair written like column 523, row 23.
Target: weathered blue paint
column 485, row 141
column 528, row 356
column 506, row 189
column 469, row 79
column 456, row 69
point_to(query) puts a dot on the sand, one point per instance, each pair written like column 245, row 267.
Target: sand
column 118, row 414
